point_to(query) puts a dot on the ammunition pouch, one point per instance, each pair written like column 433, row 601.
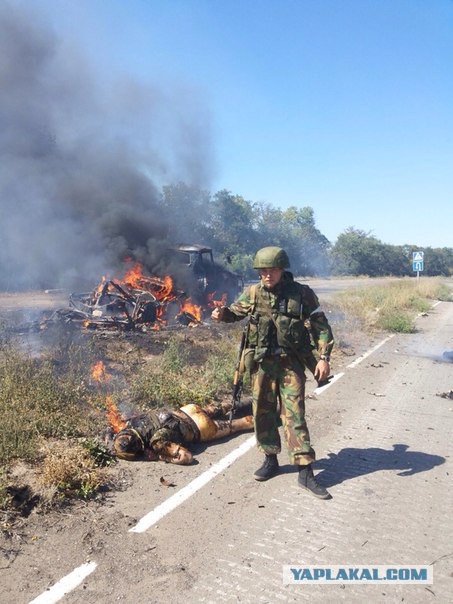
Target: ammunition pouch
column 292, row 333
column 291, row 336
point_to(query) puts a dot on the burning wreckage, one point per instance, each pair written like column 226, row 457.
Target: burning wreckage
column 136, row 302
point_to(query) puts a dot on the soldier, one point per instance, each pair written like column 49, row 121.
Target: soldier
column 278, row 350
column 161, row 434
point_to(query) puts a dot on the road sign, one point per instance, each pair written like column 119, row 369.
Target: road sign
column 417, row 257
column 417, row 266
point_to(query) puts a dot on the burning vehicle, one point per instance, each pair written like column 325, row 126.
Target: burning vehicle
column 210, row 276
column 136, row 299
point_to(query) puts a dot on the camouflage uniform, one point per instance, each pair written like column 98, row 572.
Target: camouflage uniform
column 276, row 348
column 163, row 425
column 156, row 434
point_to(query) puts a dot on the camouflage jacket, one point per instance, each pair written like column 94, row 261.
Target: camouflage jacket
column 163, row 425
column 287, row 319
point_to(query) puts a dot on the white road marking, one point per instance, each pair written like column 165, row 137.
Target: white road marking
column 172, row 502
column 367, row 354
column 65, row 585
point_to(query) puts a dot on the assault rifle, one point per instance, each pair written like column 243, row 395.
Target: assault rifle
column 238, row 373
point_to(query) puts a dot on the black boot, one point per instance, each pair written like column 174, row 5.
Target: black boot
column 268, row 469
column 308, row 481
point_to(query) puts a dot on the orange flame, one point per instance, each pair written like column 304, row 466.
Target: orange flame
column 114, row 417
column 133, row 275
column 98, row 372
column 188, row 306
column 161, row 287
column 163, row 291
column 97, row 291
column 214, row 303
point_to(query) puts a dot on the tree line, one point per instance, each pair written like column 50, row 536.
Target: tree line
column 235, row 228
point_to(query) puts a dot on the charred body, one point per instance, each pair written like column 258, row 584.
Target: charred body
column 166, row 434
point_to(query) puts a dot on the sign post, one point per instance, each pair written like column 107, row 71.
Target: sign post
column 417, row 262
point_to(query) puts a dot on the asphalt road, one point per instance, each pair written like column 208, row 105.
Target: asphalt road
column 382, row 432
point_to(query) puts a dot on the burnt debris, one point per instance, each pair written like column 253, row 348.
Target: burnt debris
column 121, row 306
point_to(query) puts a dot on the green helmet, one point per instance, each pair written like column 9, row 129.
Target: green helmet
column 271, row 257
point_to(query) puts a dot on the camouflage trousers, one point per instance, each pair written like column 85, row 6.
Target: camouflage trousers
column 274, row 378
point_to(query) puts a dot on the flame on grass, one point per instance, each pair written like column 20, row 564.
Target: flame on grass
column 99, row 372
column 113, row 415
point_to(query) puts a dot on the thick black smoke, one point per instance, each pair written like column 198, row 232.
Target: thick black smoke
column 82, row 163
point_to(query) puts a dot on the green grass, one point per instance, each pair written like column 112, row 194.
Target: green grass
column 43, row 397
column 53, row 412
column 38, row 400
column 392, row 307
column 396, row 322
column 185, row 375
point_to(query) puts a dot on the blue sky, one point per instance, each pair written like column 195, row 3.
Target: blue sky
column 342, row 105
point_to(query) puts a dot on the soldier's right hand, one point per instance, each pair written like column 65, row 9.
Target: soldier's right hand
column 217, row 313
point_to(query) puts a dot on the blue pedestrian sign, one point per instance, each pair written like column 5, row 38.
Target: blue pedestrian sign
column 417, row 261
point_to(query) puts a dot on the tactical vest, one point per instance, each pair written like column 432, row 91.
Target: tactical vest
column 288, row 333
column 164, row 425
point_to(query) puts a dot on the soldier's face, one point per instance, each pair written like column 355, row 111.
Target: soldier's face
column 270, row 276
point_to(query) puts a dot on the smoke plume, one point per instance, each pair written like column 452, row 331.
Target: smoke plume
column 82, row 162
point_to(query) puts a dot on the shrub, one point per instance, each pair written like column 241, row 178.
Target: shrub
column 69, row 470
column 395, row 321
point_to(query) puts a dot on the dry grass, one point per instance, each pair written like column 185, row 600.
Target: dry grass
column 49, row 399
column 69, row 470
column 392, row 307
